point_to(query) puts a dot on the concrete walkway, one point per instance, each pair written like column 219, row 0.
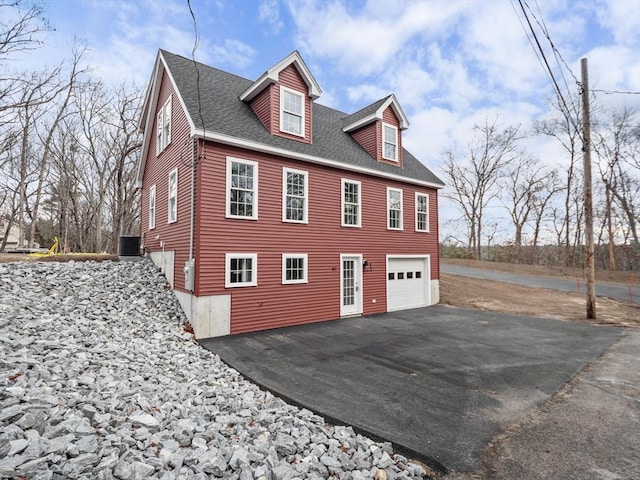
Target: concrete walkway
column 627, row 293
column 438, row 382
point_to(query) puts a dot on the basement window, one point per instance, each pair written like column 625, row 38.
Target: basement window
column 241, row 270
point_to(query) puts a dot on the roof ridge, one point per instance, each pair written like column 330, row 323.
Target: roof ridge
column 182, row 57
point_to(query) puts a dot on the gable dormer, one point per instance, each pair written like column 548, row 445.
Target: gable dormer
column 378, row 129
column 282, row 98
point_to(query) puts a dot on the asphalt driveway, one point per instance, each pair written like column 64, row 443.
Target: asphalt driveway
column 439, row 382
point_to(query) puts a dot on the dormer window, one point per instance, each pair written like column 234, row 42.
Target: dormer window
column 389, row 142
column 291, row 112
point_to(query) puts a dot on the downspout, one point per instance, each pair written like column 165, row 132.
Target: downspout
column 192, row 226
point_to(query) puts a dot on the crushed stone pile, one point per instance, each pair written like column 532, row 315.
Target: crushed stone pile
column 99, row 380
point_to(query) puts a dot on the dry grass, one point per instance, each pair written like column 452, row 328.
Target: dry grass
column 502, row 297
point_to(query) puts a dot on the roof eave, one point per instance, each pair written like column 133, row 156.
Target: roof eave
column 263, row 148
column 362, row 122
column 150, row 106
column 271, row 76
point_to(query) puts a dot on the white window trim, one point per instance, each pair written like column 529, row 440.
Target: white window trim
column 342, row 203
column 163, row 135
column 389, row 190
column 152, row 207
column 175, row 218
column 285, row 172
column 159, row 119
column 395, row 129
column 302, row 116
column 286, row 256
column 230, row 160
column 227, row 270
column 420, row 194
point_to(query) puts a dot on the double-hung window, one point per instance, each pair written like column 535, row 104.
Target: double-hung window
column 173, row 196
column 152, row 207
column 163, row 133
column 422, row 212
column 241, row 270
column 394, row 208
column 389, row 142
column 291, row 112
column 294, row 268
column 295, row 194
column 351, row 203
column 242, row 189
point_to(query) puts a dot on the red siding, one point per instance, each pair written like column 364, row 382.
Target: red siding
column 177, row 154
column 272, row 304
column 261, row 105
column 290, row 78
column 370, row 137
column 367, row 137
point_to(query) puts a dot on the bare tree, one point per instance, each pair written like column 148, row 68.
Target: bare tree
column 617, row 144
column 474, row 175
column 541, row 203
column 567, row 225
column 46, row 138
column 20, row 26
column 127, row 143
column 524, row 180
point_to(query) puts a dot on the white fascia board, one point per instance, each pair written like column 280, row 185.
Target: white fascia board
column 260, row 147
column 256, row 87
column 153, row 101
column 271, row 76
column 377, row 115
column 393, row 101
column 363, row 121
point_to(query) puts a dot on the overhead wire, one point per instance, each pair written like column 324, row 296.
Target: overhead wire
column 612, row 92
column 559, row 58
column 196, row 43
column 547, row 67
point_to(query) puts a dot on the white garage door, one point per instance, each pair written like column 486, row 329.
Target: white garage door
column 407, row 282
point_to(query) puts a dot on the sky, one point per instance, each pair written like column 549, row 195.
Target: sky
column 452, row 64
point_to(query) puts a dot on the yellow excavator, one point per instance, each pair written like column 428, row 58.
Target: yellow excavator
column 53, row 250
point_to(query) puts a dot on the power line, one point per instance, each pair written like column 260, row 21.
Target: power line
column 558, row 56
column 546, row 34
column 550, row 71
column 611, row 92
column 196, row 43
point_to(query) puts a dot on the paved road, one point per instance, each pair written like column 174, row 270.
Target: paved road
column 439, row 382
column 589, row 431
column 628, row 293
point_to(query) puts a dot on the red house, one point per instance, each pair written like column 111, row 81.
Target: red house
column 265, row 209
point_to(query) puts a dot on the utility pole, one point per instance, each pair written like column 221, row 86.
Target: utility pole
column 589, row 264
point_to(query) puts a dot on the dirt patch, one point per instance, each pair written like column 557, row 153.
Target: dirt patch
column 502, row 297
column 608, row 276
column 75, row 257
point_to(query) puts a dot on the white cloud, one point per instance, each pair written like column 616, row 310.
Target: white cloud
column 269, row 13
column 366, row 94
column 362, row 43
column 496, row 46
column 614, row 68
column 622, row 18
column 233, row 52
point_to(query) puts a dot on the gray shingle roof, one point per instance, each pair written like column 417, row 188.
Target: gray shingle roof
column 364, row 112
column 223, row 112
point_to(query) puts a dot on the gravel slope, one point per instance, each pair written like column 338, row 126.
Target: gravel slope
column 98, row 380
